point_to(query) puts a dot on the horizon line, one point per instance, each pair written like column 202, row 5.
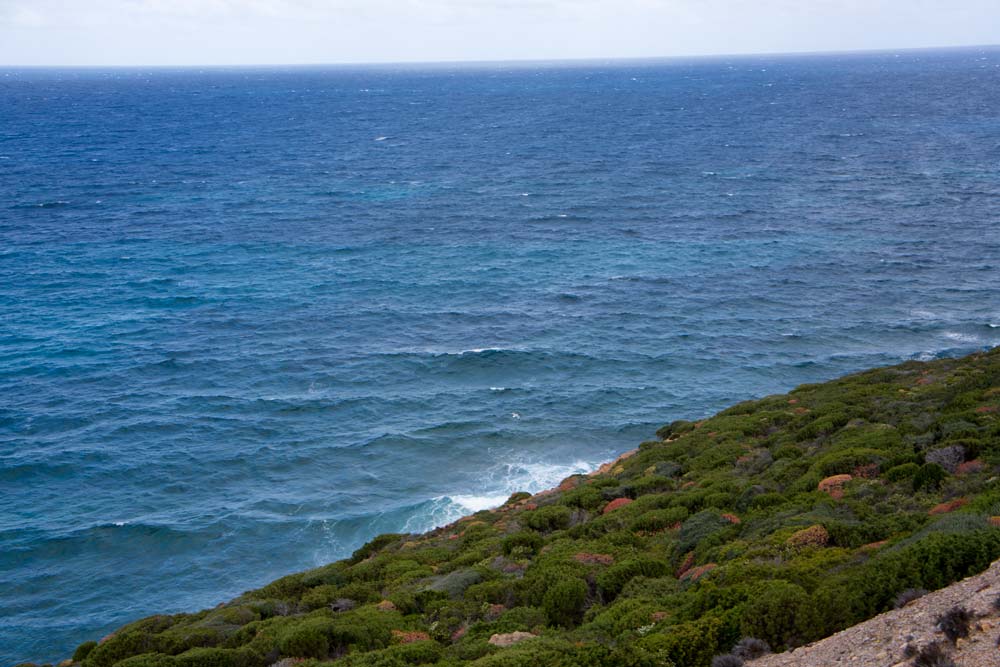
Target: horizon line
column 519, row 61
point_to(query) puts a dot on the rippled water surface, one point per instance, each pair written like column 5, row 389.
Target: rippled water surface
column 251, row 318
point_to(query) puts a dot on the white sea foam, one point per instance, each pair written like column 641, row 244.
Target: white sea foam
column 477, row 503
column 961, row 337
column 499, row 484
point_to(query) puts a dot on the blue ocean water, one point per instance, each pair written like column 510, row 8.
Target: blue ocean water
column 250, row 318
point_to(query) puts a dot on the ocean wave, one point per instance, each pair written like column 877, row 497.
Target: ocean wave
column 497, row 485
column 961, row 337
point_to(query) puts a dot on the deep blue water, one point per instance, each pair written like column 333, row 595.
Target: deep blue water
column 251, row 318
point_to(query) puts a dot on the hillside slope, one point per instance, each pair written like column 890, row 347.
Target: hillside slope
column 900, row 636
column 786, row 519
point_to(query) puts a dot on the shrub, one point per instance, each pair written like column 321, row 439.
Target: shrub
column 498, row 591
column 148, row 660
column 564, row 602
column 674, row 428
column 782, row 615
column 210, row 657
column 307, row 639
column 933, row 655
column 373, row 547
column 949, row 457
column 611, row 581
column 693, row 643
column 929, row 477
column 908, row 596
column 902, row 472
column 83, row 650
column 587, row 497
column 517, row 497
column 751, row 648
column 553, row 517
column 699, row 527
column 525, row 542
column 954, row 623
column 656, row 520
column 454, row 584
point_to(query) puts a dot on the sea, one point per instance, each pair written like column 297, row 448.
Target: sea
column 252, row 317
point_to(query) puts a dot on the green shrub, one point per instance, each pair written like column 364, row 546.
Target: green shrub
column 902, row 472
column 564, row 602
column 659, row 519
column 611, row 582
column 211, row 657
column 83, row 650
column 545, row 519
column 674, row 428
column 455, row 583
column 692, row 644
column 588, row 497
column 307, row 639
column 517, row 497
column 929, row 477
column 373, row 547
column 148, row 660
column 498, row 591
column 525, row 542
column 782, row 614
column 699, row 527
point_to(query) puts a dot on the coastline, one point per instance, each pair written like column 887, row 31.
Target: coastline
column 662, row 514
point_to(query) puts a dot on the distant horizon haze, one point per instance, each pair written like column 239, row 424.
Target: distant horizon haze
column 514, row 62
column 206, row 33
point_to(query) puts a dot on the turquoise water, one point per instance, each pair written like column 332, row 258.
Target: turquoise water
column 251, row 318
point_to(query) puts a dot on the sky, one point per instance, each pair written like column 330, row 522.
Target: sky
column 247, row 32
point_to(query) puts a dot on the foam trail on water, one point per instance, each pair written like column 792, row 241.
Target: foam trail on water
column 506, row 479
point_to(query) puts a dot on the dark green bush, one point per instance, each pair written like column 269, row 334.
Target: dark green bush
column 524, row 542
column 211, row 657
column 655, row 520
column 782, row 614
column 611, row 582
column 564, row 602
column 902, row 472
column 307, row 639
column 929, row 477
column 373, row 547
column 692, row 644
column 83, row 650
column 454, row 584
column 545, row 519
column 148, row 660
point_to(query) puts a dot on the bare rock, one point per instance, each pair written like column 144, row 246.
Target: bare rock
column 510, row 638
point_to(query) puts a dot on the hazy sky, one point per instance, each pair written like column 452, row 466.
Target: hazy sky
column 187, row 32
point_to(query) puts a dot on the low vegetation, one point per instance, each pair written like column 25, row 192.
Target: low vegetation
column 772, row 524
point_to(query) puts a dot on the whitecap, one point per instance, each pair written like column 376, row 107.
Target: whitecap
column 381, row 138
column 474, row 503
column 499, row 484
column 961, row 337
